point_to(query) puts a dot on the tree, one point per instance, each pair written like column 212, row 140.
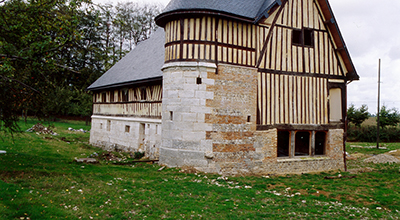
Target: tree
column 388, row 117
column 35, row 41
column 357, row 116
column 52, row 50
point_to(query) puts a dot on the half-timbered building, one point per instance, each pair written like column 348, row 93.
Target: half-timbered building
column 248, row 87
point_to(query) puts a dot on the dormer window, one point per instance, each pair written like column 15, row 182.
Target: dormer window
column 303, row 37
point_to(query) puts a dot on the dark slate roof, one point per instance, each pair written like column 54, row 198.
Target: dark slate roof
column 250, row 9
column 142, row 64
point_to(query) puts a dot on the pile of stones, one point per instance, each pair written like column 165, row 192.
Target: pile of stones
column 382, row 158
column 41, row 129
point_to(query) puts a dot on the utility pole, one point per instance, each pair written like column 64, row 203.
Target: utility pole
column 379, row 97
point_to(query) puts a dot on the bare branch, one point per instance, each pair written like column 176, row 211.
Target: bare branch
column 30, row 87
column 67, row 68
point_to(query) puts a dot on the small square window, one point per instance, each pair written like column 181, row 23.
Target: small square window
column 308, row 37
column 296, row 37
column 198, row 81
column 127, row 128
column 304, row 37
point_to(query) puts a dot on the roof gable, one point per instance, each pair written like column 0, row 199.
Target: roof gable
column 333, row 27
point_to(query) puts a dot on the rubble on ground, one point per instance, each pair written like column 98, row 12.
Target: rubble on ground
column 86, row 160
column 109, row 156
column 79, row 130
column 41, row 129
column 368, row 147
column 382, row 158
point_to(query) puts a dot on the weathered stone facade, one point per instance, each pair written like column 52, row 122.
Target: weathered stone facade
column 184, row 128
column 127, row 134
column 211, row 126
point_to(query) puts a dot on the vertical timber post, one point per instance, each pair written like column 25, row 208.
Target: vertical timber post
column 379, row 96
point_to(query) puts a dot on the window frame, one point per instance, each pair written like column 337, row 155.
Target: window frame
column 299, row 37
column 291, row 148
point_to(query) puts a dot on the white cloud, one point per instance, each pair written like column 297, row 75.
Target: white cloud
column 371, row 31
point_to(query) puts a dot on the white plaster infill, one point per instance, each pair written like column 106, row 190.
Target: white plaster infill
column 299, row 159
column 130, row 119
column 189, row 64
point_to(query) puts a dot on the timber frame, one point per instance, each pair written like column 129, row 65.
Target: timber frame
column 238, row 87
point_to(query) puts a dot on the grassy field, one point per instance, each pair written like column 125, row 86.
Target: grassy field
column 40, row 180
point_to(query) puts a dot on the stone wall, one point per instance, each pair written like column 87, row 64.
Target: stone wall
column 264, row 160
column 127, row 134
column 210, row 125
column 184, row 129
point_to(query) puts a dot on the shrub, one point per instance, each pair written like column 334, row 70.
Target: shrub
column 368, row 134
column 138, row 155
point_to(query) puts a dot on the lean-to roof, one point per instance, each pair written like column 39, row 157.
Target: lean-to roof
column 142, row 64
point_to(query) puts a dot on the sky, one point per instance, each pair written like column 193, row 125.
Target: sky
column 371, row 31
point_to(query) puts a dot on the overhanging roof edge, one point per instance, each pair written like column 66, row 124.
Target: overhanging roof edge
column 122, row 84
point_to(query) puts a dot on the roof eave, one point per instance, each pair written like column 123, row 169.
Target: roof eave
column 338, row 38
column 163, row 18
column 127, row 83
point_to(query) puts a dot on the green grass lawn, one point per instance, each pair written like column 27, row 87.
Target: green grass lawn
column 40, row 180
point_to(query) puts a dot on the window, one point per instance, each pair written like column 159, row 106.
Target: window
column 127, row 128
column 335, row 104
column 298, row 143
column 108, row 125
column 142, row 133
column 302, row 143
column 308, row 37
column 283, row 143
column 112, row 96
column 143, row 93
column 320, row 138
column 296, row 37
column 103, row 97
column 171, row 115
column 198, row 80
column 303, row 37
column 125, row 95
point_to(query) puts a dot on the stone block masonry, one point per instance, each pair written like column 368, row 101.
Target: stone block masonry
column 184, row 111
column 127, row 134
column 211, row 126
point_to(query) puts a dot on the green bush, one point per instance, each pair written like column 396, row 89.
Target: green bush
column 138, row 155
column 368, row 134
